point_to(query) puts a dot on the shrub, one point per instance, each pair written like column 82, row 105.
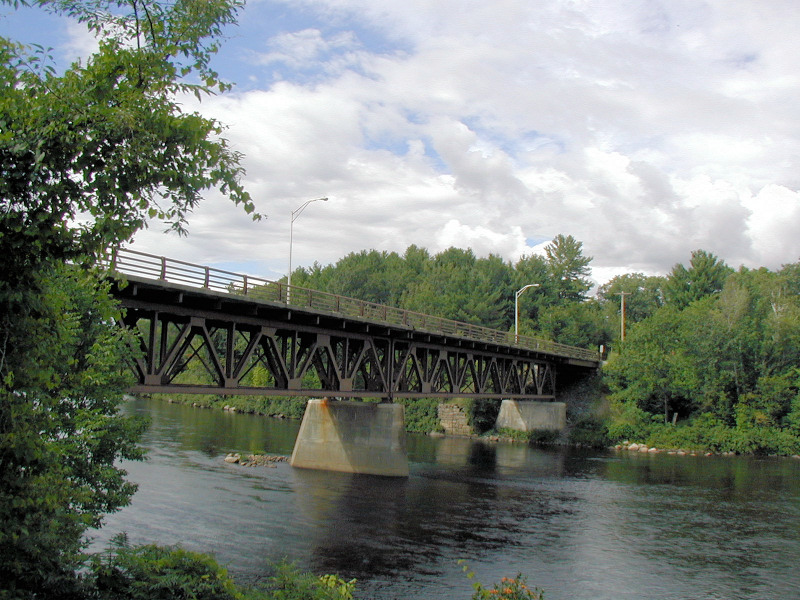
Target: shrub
column 153, row 572
column 422, row 415
column 289, row 583
column 482, row 413
column 631, row 423
column 166, row 573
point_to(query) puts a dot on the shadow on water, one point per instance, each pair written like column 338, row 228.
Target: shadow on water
column 582, row 525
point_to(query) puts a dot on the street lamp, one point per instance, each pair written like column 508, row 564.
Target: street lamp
column 295, row 214
column 517, row 294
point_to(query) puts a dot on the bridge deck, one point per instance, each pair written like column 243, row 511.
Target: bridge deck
column 174, row 276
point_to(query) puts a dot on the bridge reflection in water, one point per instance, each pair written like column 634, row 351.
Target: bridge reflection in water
column 210, row 331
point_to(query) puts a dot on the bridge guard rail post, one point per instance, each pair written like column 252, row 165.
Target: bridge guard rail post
column 352, row 437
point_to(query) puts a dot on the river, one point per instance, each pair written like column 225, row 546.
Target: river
column 580, row 525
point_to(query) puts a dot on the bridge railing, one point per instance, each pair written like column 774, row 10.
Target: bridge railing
column 150, row 266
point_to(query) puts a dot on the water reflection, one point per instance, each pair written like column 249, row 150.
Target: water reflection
column 579, row 524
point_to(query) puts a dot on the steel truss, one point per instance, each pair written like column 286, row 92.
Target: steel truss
column 193, row 351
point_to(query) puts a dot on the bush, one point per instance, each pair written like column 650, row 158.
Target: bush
column 148, row 572
column 153, row 572
column 629, row 422
column 707, row 432
column 482, row 413
column 289, row 583
column 422, row 416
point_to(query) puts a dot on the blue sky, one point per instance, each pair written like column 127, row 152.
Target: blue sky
column 644, row 128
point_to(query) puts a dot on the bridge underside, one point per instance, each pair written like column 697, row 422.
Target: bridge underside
column 196, row 343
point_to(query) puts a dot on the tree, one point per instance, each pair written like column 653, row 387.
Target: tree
column 60, row 433
column 575, row 324
column 705, row 276
column 446, row 287
column 654, row 371
column 85, row 157
column 568, row 267
column 369, row 275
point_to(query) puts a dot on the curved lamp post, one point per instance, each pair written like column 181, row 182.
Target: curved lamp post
column 295, row 214
column 517, row 294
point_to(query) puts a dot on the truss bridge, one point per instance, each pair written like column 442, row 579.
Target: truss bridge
column 210, row 331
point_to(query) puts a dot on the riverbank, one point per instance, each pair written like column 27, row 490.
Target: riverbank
column 423, row 416
column 702, row 435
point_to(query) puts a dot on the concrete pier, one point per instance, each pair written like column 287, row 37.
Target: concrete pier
column 352, row 437
column 529, row 415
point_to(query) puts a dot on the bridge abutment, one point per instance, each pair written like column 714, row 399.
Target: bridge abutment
column 352, row 437
column 530, row 415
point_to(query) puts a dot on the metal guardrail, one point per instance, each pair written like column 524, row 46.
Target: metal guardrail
column 150, row 266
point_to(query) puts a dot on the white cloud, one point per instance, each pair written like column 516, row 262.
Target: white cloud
column 80, row 43
column 774, row 223
column 644, row 129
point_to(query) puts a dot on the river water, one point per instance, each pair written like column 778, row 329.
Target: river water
column 580, row 525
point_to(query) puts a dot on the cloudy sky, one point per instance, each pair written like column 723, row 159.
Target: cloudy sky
column 644, row 128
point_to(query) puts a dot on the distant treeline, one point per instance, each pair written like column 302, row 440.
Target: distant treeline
column 455, row 284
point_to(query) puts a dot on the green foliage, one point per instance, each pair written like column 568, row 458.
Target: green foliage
column 629, row 422
column 106, row 139
column 421, row 415
column 86, row 156
column 568, row 268
column 707, row 433
column 289, row 583
column 723, row 364
column 455, row 284
column 654, row 369
column 705, row 276
column 167, row 573
column 575, row 324
column 643, row 296
column 60, row 430
column 173, row 573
